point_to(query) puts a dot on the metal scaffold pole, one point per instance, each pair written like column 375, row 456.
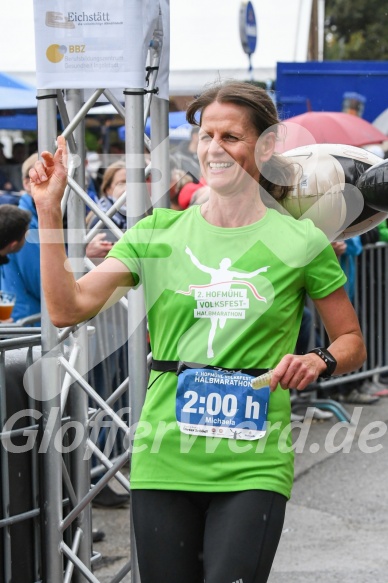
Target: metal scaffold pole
column 160, row 153
column 160, row 143
column 78, row 399
column 50, row 456
column 136, row 207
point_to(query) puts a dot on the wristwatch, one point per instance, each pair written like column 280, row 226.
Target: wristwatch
column 328, row 359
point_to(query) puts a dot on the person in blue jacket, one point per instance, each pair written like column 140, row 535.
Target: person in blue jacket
column 21, row 274
column 346, row 252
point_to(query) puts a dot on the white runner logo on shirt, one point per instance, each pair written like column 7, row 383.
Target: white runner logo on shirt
column 217, row 300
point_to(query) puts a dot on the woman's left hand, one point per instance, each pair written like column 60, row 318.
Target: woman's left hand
column 296, row 371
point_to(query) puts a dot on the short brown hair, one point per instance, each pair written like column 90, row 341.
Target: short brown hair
column 13, row 224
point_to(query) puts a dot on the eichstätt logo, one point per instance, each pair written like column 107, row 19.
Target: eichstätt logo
column 58, row 20
column 55, row 53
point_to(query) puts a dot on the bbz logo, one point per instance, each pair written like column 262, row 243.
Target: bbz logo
column 76, row 48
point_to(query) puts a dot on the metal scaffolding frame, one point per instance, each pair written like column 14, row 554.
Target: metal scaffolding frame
column 65, row 485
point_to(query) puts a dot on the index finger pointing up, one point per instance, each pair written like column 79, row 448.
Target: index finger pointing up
column 61, row 152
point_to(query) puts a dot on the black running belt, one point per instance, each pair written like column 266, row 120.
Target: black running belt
column 177, row 366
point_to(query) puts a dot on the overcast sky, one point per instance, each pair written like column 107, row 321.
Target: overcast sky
column 204, row 34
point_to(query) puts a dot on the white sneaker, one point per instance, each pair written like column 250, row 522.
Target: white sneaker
column 295, row 417
column 315, row 414
column 321, row 414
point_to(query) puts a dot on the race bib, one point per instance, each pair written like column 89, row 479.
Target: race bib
column 221, row 404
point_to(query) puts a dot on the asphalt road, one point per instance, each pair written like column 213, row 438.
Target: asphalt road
column 336, row 527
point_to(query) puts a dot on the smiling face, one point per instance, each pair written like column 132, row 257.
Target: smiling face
column 226, row 148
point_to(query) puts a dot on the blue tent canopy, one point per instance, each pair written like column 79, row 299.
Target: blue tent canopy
column 17, row 104
column 178, row 126
column 19, row 121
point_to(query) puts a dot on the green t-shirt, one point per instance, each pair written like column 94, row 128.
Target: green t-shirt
column 230, row 297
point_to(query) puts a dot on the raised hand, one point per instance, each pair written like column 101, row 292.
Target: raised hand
column 49, row 176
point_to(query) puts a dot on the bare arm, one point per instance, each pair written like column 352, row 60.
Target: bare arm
column 68, row 301
column 346, row 345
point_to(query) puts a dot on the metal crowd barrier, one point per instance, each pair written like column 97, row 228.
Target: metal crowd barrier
column 26, row 438
column 370, row 286
column 108, row 369
column 20, row 548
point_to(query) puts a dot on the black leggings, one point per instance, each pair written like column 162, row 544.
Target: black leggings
column 192, row 537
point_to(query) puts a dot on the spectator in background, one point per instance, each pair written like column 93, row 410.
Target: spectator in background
column 346, row 252
column 19, row 153
column 92, row 166
column 6, row 184
column 179, row 178
column 187, row 192
column 112, row 187
column 21, row 274
column 117, row 148
column 13, row 227
column 32, row 147
column 186, row 158
column 383, row 231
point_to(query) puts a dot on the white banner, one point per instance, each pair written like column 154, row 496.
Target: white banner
column 97, row 44
column 164, row 65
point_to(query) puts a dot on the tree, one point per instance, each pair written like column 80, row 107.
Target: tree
column 356, row 30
